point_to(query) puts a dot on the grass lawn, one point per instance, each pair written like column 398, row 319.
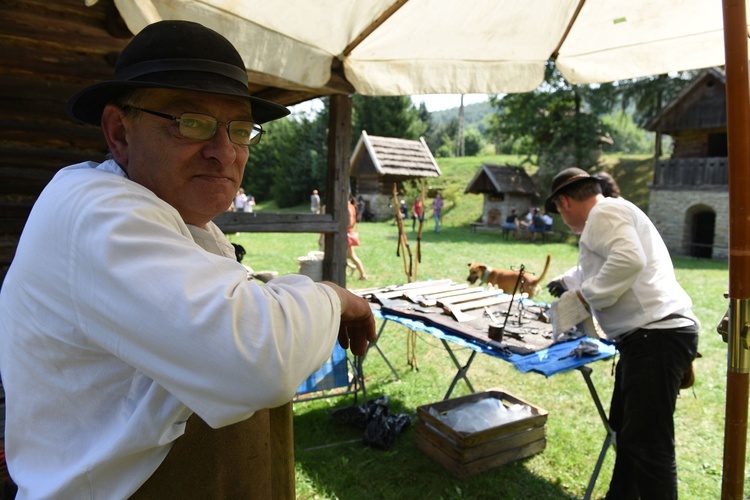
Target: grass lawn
column 330, row 459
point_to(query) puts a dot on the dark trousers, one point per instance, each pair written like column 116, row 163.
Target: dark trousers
column 647, row 382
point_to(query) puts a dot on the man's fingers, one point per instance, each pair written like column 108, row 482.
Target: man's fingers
column 356, row 335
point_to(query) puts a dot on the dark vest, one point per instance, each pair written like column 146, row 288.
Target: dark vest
column 250, row 459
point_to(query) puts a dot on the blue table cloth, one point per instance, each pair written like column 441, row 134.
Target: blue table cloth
column 546, row 361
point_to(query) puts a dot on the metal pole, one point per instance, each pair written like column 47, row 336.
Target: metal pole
column 738, row 132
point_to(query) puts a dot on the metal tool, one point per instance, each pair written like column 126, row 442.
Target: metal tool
column 498, row 335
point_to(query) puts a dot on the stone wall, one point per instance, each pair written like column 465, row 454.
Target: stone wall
column 672, row 211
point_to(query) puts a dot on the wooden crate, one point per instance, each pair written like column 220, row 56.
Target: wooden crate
column 465, row 454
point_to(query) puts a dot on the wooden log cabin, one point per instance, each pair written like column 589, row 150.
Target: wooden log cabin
column 689, row 198
column 379, row 163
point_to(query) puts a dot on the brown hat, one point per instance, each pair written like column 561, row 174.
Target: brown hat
column 179, row 55
column 563, row 181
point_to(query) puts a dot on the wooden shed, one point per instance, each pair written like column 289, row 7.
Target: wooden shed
column 504, row 188
column 689, row 199
column 378, row 163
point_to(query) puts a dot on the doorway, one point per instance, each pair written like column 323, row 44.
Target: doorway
column 702, row 229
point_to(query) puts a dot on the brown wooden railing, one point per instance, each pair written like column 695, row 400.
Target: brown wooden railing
column 692, row 172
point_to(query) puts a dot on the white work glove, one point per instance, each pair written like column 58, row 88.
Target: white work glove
column 566, row 314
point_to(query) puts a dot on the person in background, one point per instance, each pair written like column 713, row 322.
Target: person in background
column 537, row 224
column 353, row 239
column 548, row 221
column 417, row 212
column 626, row 280
column 240, row 200
column 315, row 202
column 249, row 204
column 511, row 224
column 526, row 222
column 437, row 210
column 360, row 208
column 135, row 354
column 610, row 189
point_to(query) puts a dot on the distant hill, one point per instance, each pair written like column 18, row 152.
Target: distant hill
column 474, row 114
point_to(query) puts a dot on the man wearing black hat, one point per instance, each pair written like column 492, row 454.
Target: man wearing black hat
column 626, row 279
column 128, row 349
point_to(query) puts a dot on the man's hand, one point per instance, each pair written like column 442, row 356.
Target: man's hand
column 357, row 327
column 556, row 288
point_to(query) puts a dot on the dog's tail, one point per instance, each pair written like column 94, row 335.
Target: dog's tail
column 546, row 267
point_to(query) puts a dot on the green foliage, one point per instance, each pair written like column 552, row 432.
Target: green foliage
column 387, row 117
column 473, row 141
column 556, row 126
column 290, row 161
column 557, row 121
column 648, row 95
column 628, row 137
column 561, row 124
column 440, row 137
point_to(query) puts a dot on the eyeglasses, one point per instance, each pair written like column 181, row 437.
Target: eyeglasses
column 203, row 127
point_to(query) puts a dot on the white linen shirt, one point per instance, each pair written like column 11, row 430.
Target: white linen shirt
column 118, row 321
column 625, row 272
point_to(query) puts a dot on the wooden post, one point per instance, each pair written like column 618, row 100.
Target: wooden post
column 738, row 362
column 337, row 186
column 282, row 452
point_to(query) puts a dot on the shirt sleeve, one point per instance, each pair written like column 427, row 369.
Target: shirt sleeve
column 619, row 247
column 190, row 320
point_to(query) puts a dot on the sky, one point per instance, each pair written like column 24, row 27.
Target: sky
column 434, row 102
column 439, row 102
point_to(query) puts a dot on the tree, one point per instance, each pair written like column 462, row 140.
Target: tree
column 557, row 119
column 563, row 125
column 290, row 161
column 386, row 117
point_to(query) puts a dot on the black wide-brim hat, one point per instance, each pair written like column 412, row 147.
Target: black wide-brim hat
column 564, row 180
column 180, row 55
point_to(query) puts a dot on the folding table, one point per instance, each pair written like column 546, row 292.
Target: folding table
column 548, row 362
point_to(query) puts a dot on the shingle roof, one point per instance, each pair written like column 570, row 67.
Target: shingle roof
column 391, row 156
column 501, row 179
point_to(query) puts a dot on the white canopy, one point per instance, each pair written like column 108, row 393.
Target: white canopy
column 409, row 47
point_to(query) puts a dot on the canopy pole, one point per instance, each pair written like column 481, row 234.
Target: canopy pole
column 738, row 360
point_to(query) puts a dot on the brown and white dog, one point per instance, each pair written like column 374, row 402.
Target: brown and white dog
column 507, row 279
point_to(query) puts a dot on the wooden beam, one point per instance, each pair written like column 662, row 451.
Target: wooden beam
column 337, row 187
column 373, row 26
column 271, row 222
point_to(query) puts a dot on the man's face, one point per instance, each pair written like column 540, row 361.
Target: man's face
column 197, row 177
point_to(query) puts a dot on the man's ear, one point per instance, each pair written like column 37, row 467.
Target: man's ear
column 113, row 127
column 563, row 200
